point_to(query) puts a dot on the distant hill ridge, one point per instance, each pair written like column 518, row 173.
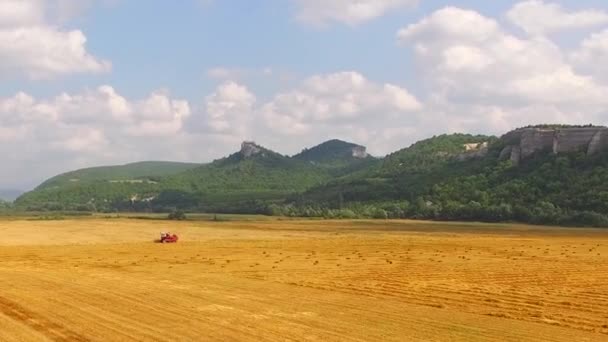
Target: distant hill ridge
column 131, row 171
column 552, row 174
column 250, row 174
column 333, row 150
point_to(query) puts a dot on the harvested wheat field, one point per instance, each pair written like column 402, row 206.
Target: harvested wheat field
column 106, row 280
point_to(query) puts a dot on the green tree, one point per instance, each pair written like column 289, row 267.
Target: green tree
column 177, row 215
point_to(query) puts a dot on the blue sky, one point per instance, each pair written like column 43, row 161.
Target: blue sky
column 188, row 80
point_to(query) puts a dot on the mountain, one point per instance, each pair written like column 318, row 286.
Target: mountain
column 252, row 169
column 9, row 194
column 98, row 187
column 119, row 173
column 400, row 174
column 340, row 157
column 333, row 152
column 545, row 174
column 252, row 175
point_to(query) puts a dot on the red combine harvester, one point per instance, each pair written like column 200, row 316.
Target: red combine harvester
column 168, row 238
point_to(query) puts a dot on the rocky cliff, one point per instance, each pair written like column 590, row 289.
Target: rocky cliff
column 474, row 151
column 250, row 148
column 523, row 143
column 360, row 152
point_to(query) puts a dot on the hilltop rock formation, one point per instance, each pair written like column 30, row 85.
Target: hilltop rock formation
column 523, row 143
column 360, row 152
column 333, row 152
column 250, row 148
column 473, row 151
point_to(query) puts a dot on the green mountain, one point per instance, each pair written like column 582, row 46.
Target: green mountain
column 98, row 187
column 333, row 153
column 546, row 174
column 339, row 157
column 252, row 169
column 399, row 175
column 135, row 172
column 244, row 181
column 249, row 178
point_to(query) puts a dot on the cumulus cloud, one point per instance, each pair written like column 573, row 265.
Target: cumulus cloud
column 229, row 110
column 336, row 99
column 343, row 105
column 21, row 12
column 473, row 64
column 322, row 12
column 156, row 115
column 590, row 58
column 33, row 47
column 90, row 127
column 476, row 75
column 540, row 17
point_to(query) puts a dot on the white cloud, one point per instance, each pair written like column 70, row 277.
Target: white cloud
column 336, row 99
column 99, row 126
column 465, row 54
column 42, row 52
column 21, row 12
column 452, row 23
column 592, row 55
column 478, row 73
column 229, row 110
column 477, row 76
column 322, row 12
column 344, row 104
column 86, row 139
column 540, row 17
column 101, row 111
column 158, row 115
column 32, row 47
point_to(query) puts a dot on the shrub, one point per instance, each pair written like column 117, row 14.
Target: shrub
column 177, row 215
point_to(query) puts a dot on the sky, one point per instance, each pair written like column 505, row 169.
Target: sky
column 96, row 82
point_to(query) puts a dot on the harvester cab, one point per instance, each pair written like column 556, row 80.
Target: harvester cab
column 168, row 237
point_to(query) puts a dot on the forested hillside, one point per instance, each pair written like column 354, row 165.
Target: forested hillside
column 432, row 180
column 447, row 177
column 150, row 170
column 245, row 181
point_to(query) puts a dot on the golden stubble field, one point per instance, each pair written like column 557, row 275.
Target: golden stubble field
column 105, row 280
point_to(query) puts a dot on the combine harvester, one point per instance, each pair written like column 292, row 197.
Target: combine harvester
column 168, row 238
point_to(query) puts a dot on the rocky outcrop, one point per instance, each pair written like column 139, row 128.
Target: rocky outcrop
column 360, row 152
column 475, row 146
column 523, row 143
column 249, row 148
column 473, row 151
column 515, row 155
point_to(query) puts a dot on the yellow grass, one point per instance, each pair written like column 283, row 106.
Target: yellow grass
column 105, row 280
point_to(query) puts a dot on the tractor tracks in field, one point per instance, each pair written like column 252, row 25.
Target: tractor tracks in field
column 490, row 285
column 39, row 323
